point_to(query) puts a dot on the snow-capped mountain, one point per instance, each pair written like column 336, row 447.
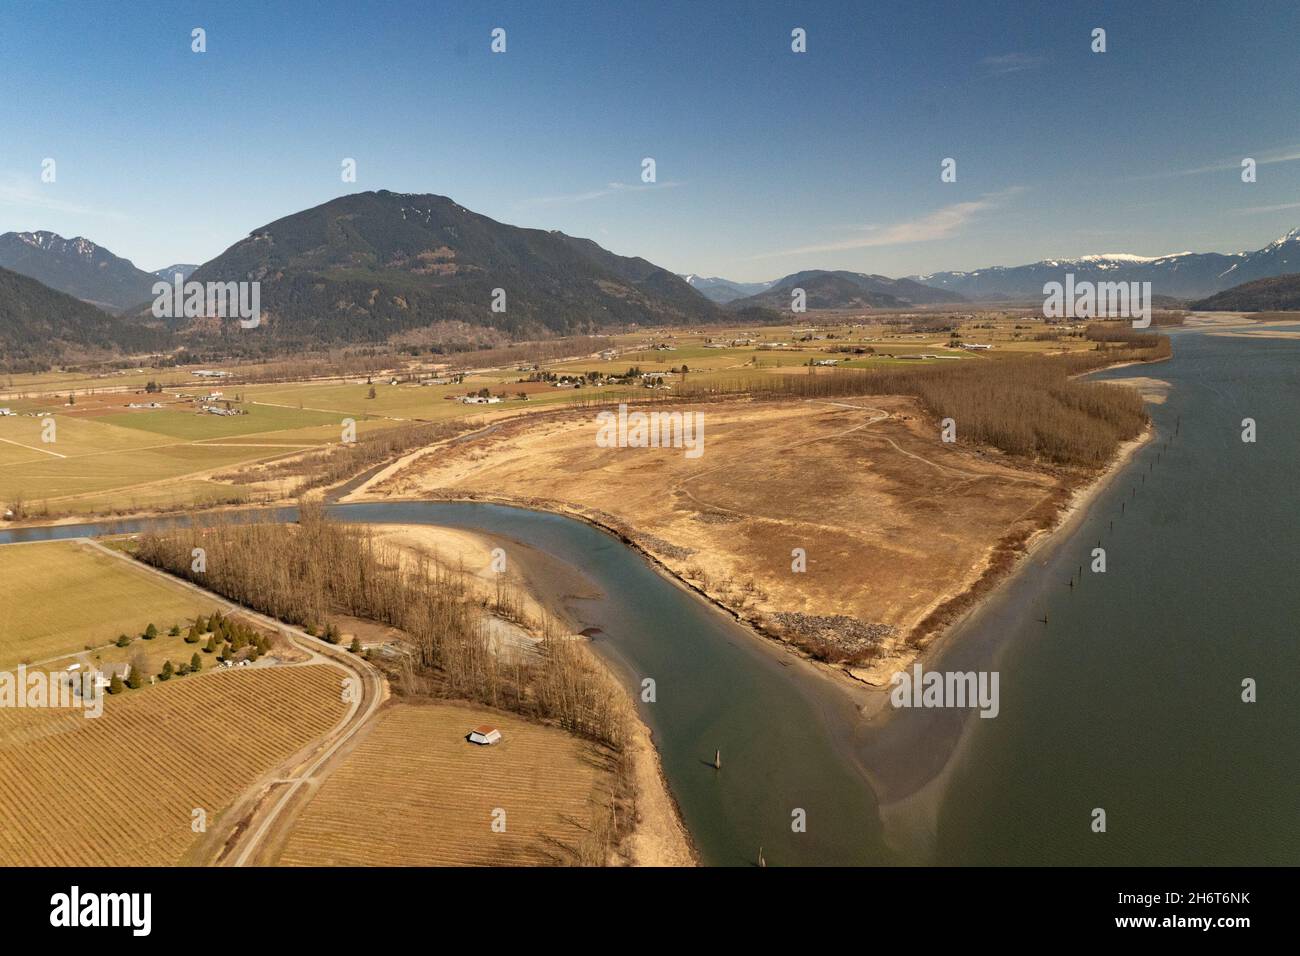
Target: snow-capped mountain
column 169, row 273
column 76, row 266
column 724, row 290
column 1181, row 275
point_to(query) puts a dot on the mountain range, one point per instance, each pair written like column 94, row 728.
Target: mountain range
column 372, row 265
column 1180, row 275
column 825, row 289
column 723, row 291
column 385, row 267
column 78, row 267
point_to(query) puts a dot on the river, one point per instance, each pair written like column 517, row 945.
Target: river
column 1127, row 700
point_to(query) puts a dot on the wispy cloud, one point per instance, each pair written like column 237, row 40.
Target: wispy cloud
column 943, row 223
column 16, row 190
column 1280, row 207
column 1285, row 154
column 609, row 189
column 1011, row 63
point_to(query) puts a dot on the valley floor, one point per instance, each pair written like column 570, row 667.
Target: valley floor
column 898, row 528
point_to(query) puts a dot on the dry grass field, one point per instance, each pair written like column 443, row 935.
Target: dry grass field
column 414, row 792
column 119, row 790
column 61, row 596
column 894, row 521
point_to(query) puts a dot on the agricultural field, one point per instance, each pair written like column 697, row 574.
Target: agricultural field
column 105, row 457
column 64, row 596
column 120, row 789
column 109, row 458
column 414, row 792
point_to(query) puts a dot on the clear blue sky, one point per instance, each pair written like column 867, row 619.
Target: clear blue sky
column 767, row 161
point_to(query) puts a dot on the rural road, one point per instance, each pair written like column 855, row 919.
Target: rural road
column 249, row 839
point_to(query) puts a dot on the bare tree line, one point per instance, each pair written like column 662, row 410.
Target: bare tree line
column 309, row 573
column 1033, row 406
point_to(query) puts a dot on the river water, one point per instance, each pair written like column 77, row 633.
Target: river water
column 1128, row 700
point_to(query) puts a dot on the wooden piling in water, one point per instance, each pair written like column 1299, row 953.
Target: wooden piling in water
column 717, row 760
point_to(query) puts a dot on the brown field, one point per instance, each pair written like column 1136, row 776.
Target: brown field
column 119, row 790
column 894, row 521
column 414, row 792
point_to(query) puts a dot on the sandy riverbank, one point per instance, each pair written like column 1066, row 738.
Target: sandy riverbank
column 542, row 585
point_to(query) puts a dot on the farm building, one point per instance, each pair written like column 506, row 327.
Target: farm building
column 104, row 676
column 484, row 734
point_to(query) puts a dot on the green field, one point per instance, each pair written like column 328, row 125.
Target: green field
column 148, row 457
column 63, row 596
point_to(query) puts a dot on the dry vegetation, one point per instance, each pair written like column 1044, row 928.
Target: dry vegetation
column 1031, row 406
column 306, row 574
column 413, row 793
column 311, row 573
column 119, row 790
column 902, row 531
column 340, row 462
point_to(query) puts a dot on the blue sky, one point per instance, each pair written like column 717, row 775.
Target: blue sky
column 767, row 161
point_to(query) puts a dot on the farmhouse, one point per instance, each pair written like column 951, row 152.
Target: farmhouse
column 5, row 411
column 104, row 676
column 480, row 399
column 976, row 347
column 484, row 735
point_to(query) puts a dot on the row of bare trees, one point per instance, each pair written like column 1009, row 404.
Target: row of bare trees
column 1033, row 406
column 305, row 574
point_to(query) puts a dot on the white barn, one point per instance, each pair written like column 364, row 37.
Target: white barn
column 484, row 734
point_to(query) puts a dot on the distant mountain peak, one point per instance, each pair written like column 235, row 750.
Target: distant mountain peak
column 376, row 266
column 77, row 266
column 1291, row 236
column 1179, row 275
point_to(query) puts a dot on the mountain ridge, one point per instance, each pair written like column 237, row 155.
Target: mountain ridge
column 369, row 266
column 1181, row 275
column 77, row 267
column 840, row 289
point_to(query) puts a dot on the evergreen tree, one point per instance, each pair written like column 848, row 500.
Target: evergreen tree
column 150, row 632
column 166, row 673
column 196, row 663
column 211, row 646
column 115, row 685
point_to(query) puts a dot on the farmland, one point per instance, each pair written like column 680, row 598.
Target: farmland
column 61, row 597
column 415, row 793
column 120, row 790
column 107, row 457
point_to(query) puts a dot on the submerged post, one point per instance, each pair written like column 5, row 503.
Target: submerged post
column 717, row 760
